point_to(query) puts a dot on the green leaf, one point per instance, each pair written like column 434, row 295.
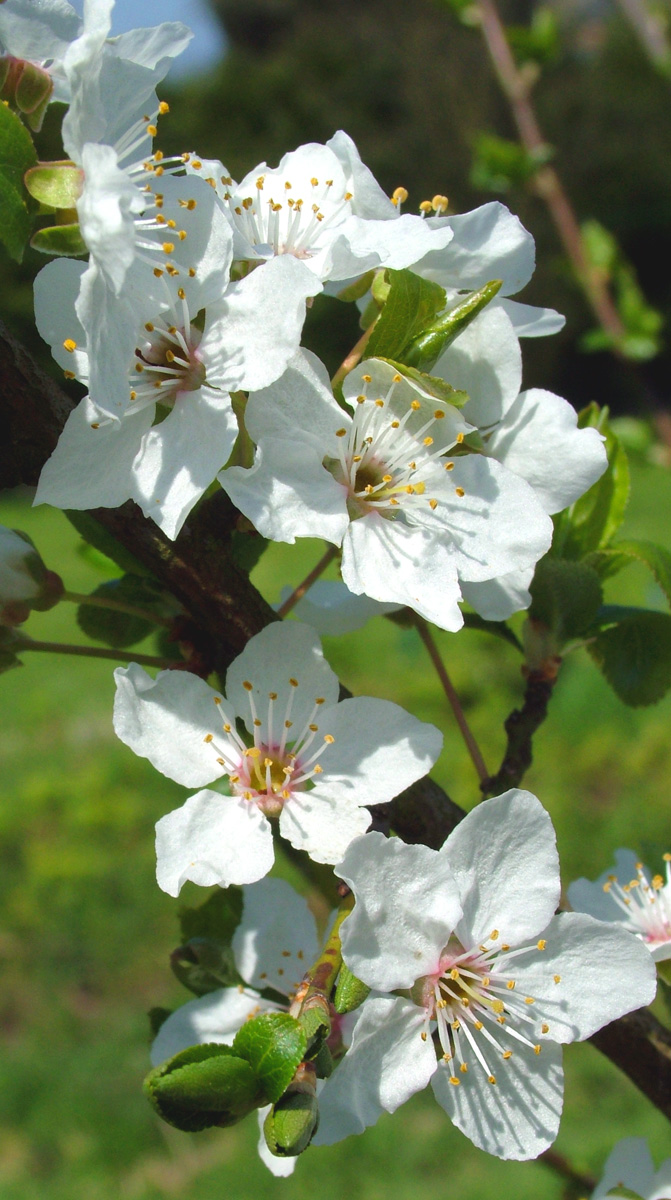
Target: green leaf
column 350, row 992
column 203, row 1086
column 427, row 347
column 316, row 1024
column 97, row 536
column 217, row 918
column 16, row 145
column 56, row 184
column 120, row 629
column 590, row 523
column 273, row 1044
column 203, row 965
column 433, row 385
column 635, row 656
column 411, row 305
column 499, row 164
column 358, row 289
column 63, row 240
column 565, row 597
column 656, row 558
column 17, row 153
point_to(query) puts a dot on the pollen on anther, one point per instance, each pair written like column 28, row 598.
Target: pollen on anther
column 70, row 345
column 545, row 1028
column 208, row 737
column 454, row 1081
column 341, row 432
column 293, row 682
column 257, row 723
column 152, row 130
column 542, row 944
column 247, row 685
column 71, row 375
column 491, row 1079
column 329, row 739
column 433, row 504
column 217, row 699
column 163, row 107
column 415, row 405
column 494, row 935
column 537, row 1049
column 529, row 1000
column 168, row 247
column 510, row 985
column 181, row 293
column 460, row 491
column 557, row 978
column 463, row 1067
column 367, row 378
column 507, row 1054
column 423, row 1035
column 221, row 762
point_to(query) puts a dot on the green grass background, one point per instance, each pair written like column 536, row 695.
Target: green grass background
column 85, row 933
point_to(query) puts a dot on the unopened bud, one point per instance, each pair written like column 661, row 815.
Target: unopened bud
column 25, row 582
column 292, row 1122
column 203, row 1086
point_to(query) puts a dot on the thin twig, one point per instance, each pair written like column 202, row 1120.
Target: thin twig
column 311, row 577
column 454, row 701
column 520, row 726
column 117, row 606
column 354, row 356
column 145, row 660
column 546, row 180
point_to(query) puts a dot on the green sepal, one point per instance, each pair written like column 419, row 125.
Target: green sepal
column 565, row 598
column 427, row 347
column 437, row 388
column 203, row 966
column 634, row 655
column 350, row 992
column 323, row 1062
column 65, row 241
column 358, row 289
column 273, row 1044
column 316, row 1024
column 291, row 1124
column 411, row 305
column 664, row 973
column 203, row 1086
column 17, row 154
column 33, row 93
column 55, row 184
column 590, row 523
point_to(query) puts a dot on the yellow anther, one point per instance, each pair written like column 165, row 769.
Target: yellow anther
column 247, row 685
column 288, row 724
column 542, row 944
column 494, row 935
column 463, row 1068
column 456, row 1025
column 158, row 155
column 257, row 722
column 139, row 368
column 657, row 882
column 152, row 130
column 196, row 163
column 449, row 466
column 348, row 195
column 478, row 1025
column 423, row 1035
column 399, row 195
column 537, row 1049
column 433, row 504
column 454, row 974
column 221, row 762
column 272, row 695
column 329, row 739
column 379, row 403
column 438, row 414
column 491, row 1079
column 557, row 978
column 293, row 682
column 317, row 769
column 498, row 1006
column 529, row 1000
column 507, row 1054
column 163, row 107
column 181, row 234
column 341, row 432
column 415, row 405
column 511, row 985
column 439, row 204
column 95, row 425
column 208, row 737
column 190, row 204
column 217, row 699
column 314, row 182
column 212, row 182
column 545, row 1028
column 192, row 272
column 460, row 491
column 397, row 379
column 460, row 438
column 70, row 345
column 172, row 271
column 395, row 424
column 181, row 293
column 367, row 378
column 149, row 327
column 71, row 375
column 426, row 206
column 158, row 170
column 428, row 441
column 454, row 1081
column 169, row 356
column 666, row 857
column 168, row 247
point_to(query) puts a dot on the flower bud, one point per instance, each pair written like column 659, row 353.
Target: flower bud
column 292, row 1122
column 25, row 582
column 203, row 1086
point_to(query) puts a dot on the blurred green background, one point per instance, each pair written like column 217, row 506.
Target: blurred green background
column 84, row 931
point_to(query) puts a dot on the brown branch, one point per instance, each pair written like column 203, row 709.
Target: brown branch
column 202, row 577
column 521, row 726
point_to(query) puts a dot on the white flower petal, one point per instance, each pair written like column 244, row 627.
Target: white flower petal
column 216, row 1017
column 603, row 972
column 362, row 244
column 300, row 401
column 276, row 940
column 630, row 1163
column 255, row 329
column 287, row 493
column 518, row 1116
column 383, row 941
column 504, row 857
column 488, row 243
column 539, row 439
column 269, row 661
column 368, row 199
column 393, row 562
column 379, row 750
column 181, row 456
column 331, row 609
column 590, row 897
column 212, row 839
column 485, row 361
column 497, row 599
column 529, row 321
column 167, row 719
column 93, row 467
column 55, row 293
column 386, row 1064
column 322, row 825
column 111, row 327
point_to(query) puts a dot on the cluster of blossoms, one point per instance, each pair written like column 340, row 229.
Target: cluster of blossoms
column 185, row 326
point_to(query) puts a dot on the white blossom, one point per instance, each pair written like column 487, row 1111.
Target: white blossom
column 630, row 1166
column 322, row 205
column 313, row 763
column 413, row 521
column 331, row 609
column 20, row 567
column 176, row 369
column 628, row 895
column 488, row 996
